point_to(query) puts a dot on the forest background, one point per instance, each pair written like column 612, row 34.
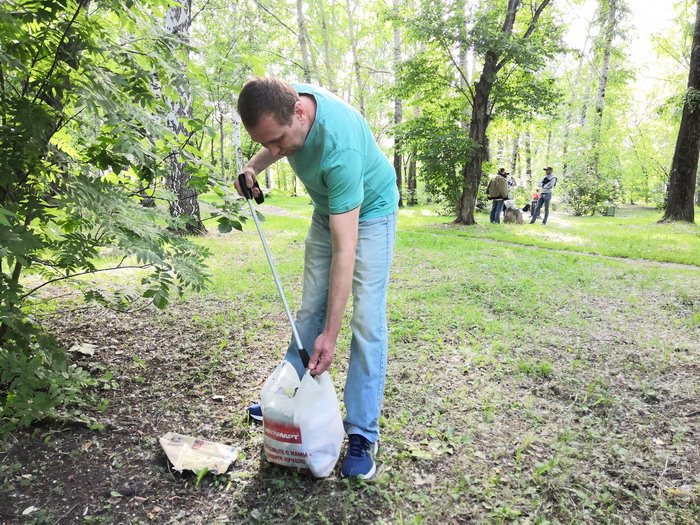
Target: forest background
column 120, row 139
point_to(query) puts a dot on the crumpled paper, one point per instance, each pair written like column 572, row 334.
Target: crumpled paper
column 190, row 453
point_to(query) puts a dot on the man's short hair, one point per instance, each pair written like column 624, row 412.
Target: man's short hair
column 267, row 96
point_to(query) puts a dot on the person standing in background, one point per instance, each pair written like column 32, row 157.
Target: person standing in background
column 497, row 192
column 547, row 184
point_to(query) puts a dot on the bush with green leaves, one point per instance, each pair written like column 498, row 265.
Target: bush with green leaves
column 82, row 133
column 588, row 193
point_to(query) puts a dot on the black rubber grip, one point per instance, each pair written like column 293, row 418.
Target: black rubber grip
column 247, row 193
column 304, row 357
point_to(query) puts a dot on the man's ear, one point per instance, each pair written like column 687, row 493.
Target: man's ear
column 299, row 109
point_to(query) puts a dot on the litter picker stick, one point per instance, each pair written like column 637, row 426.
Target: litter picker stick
column 247, row 192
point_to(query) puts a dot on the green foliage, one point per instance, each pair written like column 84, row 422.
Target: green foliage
column 437, row 80
column 82, row 134
column 442, row 149
column 587, row 192
column 36, row 375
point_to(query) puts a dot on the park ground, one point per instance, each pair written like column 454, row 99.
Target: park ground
column 537, row 374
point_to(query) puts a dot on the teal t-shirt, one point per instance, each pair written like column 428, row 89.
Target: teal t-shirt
column 340, row 163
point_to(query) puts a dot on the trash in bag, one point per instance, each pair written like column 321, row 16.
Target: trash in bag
column 302, row 425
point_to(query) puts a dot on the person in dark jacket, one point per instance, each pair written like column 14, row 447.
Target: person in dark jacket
column 497, row 191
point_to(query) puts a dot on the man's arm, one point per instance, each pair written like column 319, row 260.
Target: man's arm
column 262, row 160
column 344, row 228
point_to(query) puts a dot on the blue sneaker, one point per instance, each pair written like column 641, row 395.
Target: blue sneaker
column 254, row 413
column 359, row 458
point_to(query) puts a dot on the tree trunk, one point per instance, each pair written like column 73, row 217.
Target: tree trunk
column 515, row 154
column 681, row 183
column 326, row 47
column 178, row 20
column 411, row 183
column 222, row 149
column 302, row 41
column 355, row 59
column 398, row 111
column 237, row 143
column 528, row 159
column 480, row 117
column 608, row 35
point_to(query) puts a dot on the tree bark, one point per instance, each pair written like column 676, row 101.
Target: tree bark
column 528, row 159
column 479, row 123
column 608, row 35
column 222, row 149
column 237, row 143
column 682, row 179
column 398, row 112
column 326, row 47
column 302, row 41
column 186, row 203
column 355, row 59
column 411, row 182
column 515, row 154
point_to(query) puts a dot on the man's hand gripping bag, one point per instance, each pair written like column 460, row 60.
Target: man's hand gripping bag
column 302, row 425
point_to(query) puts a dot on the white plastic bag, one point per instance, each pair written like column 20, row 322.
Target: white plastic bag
column 302, row 425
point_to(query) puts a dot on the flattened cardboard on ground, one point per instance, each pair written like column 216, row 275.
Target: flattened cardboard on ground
column 190, row 453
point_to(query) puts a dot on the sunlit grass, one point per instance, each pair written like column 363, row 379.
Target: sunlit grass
column 633, row 233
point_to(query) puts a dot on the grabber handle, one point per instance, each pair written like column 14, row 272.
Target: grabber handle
column 247, row 193
column 304, row 357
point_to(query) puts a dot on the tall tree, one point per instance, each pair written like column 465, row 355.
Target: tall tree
column 495, row 59
column 178, row 19
column 611, row 10
column 326, row 46
column 682, row 179
column 352, row 37
column 398, row 109
column 301, row 35
column 528, row 159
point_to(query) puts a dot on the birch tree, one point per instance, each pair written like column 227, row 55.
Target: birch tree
column 185, row 203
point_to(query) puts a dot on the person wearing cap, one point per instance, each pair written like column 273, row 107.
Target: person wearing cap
column 546, row 185
column 497, row 191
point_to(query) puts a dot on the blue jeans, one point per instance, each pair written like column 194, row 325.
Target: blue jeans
column 544, row 199
column 364, row 385
column 496, row 210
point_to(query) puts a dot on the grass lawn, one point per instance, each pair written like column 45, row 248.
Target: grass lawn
column 524, row 384
column 633, row 233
